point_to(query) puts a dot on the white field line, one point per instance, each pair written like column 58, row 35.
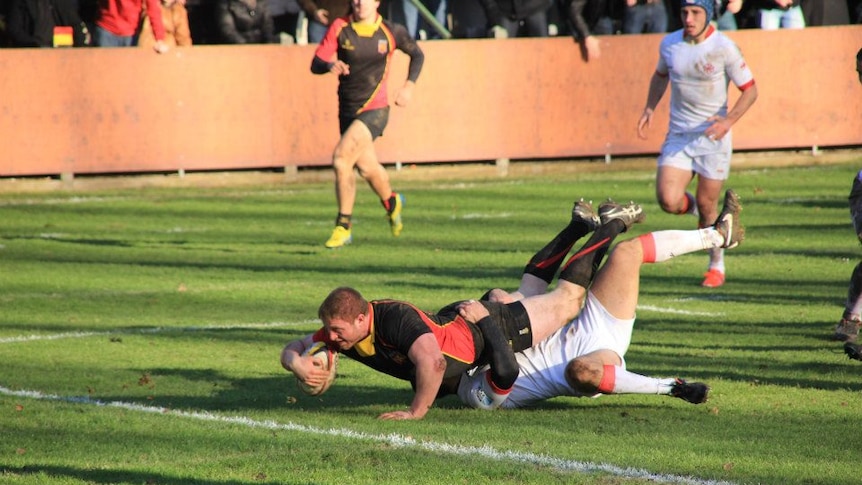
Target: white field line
column 397, row 440
column 130, row 331
column 656, row 309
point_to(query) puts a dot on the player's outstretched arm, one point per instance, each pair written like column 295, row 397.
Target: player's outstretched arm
column 657, row 87
column 430, row 366
column 303, row 367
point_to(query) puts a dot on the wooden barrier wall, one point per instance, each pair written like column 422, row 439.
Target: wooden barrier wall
column 80, row 111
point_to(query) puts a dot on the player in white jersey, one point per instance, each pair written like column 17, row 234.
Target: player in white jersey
column 698, row 62
column 586, row 356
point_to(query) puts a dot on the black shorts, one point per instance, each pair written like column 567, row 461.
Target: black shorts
column 375, row 120
column 513, row 318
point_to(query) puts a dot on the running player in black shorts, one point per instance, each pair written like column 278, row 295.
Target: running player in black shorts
column 433, row 350
column 359, row 49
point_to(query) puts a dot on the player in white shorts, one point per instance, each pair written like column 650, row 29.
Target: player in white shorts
column 586, row 356
column 698, row 62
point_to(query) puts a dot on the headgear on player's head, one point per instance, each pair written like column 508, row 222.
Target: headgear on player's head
column 707, row 5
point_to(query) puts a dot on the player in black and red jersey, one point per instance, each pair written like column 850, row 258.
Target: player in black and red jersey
column 359, row 49
column 433, row 350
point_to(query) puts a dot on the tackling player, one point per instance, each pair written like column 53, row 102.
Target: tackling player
column 586, row 356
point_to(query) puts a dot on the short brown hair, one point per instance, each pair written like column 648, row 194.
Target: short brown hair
column 344, row 303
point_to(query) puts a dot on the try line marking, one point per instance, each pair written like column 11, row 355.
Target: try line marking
column 396, row 440
column 131, row 331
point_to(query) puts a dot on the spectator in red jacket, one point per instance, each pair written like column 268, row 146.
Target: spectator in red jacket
column 118, row 21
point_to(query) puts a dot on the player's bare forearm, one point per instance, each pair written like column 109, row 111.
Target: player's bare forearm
column 430, row 365
column 291, row 352
column 657, row 87
column 745, row 101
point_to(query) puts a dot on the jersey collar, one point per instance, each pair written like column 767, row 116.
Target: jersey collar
column 365, row 347
column 367, row 30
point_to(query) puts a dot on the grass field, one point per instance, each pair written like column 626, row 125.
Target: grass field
column 140, row 332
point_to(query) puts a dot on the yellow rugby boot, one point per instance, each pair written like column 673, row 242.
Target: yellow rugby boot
column 340, row 237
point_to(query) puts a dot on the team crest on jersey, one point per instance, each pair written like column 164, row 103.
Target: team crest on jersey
column 708, row 68
column 347, row 45
column 382, row 46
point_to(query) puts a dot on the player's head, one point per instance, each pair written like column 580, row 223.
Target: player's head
column 707, row 5
column 693, row 25
column 343, row 302
column 364, row 10
column 344, row 314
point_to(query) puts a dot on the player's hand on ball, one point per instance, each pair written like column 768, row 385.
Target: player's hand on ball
column 311, row 371
column 315, row 369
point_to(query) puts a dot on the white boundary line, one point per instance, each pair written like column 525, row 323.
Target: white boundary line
column 395, row 440
column 678, row 312
column 131, row 331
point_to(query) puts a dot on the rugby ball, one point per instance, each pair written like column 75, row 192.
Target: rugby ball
column 325, row 359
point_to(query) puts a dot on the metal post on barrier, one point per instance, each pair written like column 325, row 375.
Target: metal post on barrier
column 429, row 17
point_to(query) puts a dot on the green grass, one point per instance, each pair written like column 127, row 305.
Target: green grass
column 179, row 300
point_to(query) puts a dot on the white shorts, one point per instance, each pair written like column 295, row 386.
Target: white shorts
column 543, row 367
column 696, row 153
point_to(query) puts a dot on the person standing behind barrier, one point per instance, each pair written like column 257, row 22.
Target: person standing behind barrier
column 359, row 49
column 468, row 19
column 285, row 20
column 645, row 17
column 320, row 14
column 507, row 16
column 34, row 23
column 117, row 22
column 819, row 13
column 698, row 62
column 417, row 26
column 176, row 22
column 244, row 22
column 590, row 18
column 780, row 14
column 726, row 11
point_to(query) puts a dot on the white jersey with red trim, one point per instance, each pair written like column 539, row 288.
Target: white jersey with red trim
column 699, row 77
column 543, row 367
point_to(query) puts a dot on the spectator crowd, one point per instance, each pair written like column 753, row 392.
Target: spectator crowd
column 121, row 23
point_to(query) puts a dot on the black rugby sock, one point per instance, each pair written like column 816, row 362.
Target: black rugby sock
column 343, row 220
column 547, row 261
column 582, row 266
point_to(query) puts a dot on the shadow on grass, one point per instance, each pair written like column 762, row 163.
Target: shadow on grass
column 268, row 393
column 121, row 476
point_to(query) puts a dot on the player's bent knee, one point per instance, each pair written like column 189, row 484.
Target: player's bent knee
column 669, row 207
column 584, row 375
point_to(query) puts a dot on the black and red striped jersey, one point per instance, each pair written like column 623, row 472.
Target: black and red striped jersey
column 395, row 327
column 368, row 49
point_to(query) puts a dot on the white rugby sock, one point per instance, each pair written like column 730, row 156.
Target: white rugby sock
column 672, row 243
column 625, row 382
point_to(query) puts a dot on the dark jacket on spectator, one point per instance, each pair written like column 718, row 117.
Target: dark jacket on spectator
column 513, row 9
column 31, row 22
column 244, row 22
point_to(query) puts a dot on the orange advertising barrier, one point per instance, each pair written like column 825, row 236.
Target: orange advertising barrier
column 88, row 111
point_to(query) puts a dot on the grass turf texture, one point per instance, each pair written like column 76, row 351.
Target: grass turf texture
column 181, row 300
